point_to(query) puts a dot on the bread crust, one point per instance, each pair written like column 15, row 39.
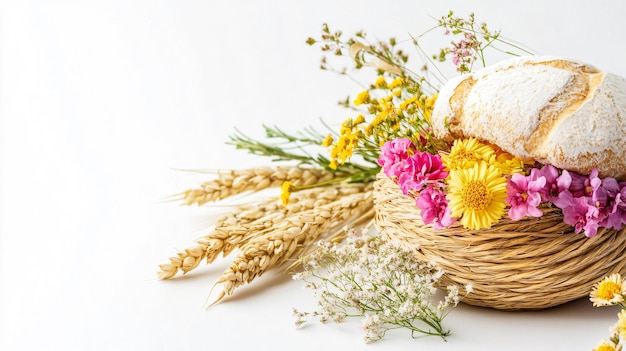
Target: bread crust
column 547, row 109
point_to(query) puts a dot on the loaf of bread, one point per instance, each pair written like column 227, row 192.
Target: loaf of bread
column 547, row 109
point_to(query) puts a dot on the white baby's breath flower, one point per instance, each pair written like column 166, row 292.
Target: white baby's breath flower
column 301, row 317
column 379, row 281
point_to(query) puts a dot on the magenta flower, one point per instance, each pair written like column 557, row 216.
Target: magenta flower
column 524, row 195
column 406, row 177
column 434, row 208
column 392, row 154
column 420, row 170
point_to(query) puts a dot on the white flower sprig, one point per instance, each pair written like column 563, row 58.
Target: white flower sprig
column 366, row 276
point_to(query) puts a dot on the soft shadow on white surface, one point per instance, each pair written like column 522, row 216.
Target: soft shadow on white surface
column 101, row 101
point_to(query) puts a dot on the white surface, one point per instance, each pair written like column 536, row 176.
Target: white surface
column 102, row 100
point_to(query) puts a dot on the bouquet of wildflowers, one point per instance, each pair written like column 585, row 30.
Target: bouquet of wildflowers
column 475, row 182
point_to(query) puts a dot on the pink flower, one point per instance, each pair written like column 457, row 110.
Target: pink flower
column 582, row 216
column 420, row 170
column 583, row 185
column 556, row 188
column 392, row 154
column 434, row 208
column 607, row 198
column 620, row 204
column 524, row 195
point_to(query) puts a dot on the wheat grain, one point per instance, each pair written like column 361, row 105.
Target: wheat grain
column 290, row 236
column 233, row 182
column 249, row 222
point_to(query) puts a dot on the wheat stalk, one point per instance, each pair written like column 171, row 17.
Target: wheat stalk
column 248, row 222
column 291, row 236
column 233, row 182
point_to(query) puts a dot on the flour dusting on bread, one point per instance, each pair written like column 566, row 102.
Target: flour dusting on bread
column 548, row 109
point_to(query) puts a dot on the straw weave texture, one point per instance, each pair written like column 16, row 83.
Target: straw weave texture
column 533, row 263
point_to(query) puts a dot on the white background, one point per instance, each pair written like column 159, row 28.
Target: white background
column 102, row 101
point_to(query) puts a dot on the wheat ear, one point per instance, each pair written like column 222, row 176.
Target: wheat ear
column 227, row 233
column 233, row 182
column 246, row 223
column 290, row 236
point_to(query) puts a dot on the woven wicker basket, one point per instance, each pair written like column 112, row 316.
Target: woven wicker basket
column 533, row 263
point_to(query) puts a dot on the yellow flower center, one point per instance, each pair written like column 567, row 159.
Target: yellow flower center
column 475, row 195
column 608, row 289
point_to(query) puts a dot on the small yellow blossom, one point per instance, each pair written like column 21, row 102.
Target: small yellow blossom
column 287, row 188
column 398, row 82
column 429, row 104
column 328, row 141
column 380, row 82
column 404, row 105
column 359, row 119
column 375, row 123
column 362, row 98
column 430, row 101
column 609, row 291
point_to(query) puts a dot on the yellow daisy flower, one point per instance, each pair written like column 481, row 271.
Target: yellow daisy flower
column 477, row 195
column 507, row 163
column 609, row 291
column 465, row 153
